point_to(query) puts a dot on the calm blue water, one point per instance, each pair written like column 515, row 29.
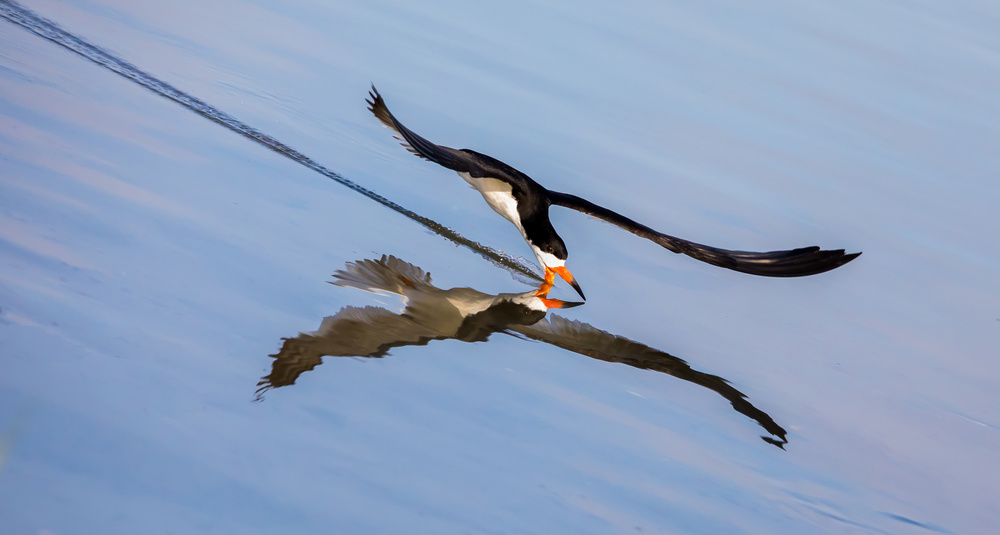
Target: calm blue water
column 151, row 260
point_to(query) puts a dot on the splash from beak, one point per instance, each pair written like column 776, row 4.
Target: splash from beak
column 566, row 275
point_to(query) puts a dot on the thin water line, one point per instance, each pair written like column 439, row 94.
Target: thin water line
column 47, row 29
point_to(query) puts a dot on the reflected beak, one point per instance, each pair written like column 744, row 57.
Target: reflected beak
column 544, row 289
column 566, row 275
column 559, row 303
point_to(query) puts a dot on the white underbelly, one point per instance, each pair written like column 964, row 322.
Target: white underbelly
column 498, row 194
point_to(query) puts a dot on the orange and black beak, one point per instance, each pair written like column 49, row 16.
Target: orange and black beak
column 559, row 303
column 566, row 275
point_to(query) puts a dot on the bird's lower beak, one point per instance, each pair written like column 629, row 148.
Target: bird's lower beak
column 566, row 275
column 559, row 303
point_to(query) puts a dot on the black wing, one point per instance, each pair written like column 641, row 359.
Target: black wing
column 794, row 263
column 452, row 159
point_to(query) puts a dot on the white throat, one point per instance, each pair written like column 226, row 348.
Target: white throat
column 547, row 259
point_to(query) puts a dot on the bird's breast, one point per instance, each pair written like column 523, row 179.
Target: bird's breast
column 499, row 195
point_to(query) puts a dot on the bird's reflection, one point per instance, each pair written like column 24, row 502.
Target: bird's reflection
column 470, row 316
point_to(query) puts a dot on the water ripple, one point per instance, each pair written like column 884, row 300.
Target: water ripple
column 43, row 27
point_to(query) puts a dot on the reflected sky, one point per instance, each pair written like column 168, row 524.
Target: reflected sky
column 470, row 316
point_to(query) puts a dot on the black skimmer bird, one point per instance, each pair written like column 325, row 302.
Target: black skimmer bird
column 525, row 203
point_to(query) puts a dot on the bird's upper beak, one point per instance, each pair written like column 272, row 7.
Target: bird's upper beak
column 566, row 275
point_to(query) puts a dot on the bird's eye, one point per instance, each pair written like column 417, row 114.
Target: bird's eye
column 548, row 249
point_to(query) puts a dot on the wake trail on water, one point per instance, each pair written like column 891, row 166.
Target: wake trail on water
column 15, row 13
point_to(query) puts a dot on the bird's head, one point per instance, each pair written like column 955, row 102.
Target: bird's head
column 552, row 255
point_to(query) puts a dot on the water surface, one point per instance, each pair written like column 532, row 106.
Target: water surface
column 151, row 260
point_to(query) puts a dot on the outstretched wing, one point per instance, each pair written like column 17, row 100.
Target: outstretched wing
column 453, row 159
column 588, row 340
column 792, row 263
column 351, row 332
column 388, row 275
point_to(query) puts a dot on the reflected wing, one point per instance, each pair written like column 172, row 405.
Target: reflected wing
column 452, row 159
column 426, row 305
column 389, row 274
column 792, row 263
column 587, row 340
column 352, row 332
